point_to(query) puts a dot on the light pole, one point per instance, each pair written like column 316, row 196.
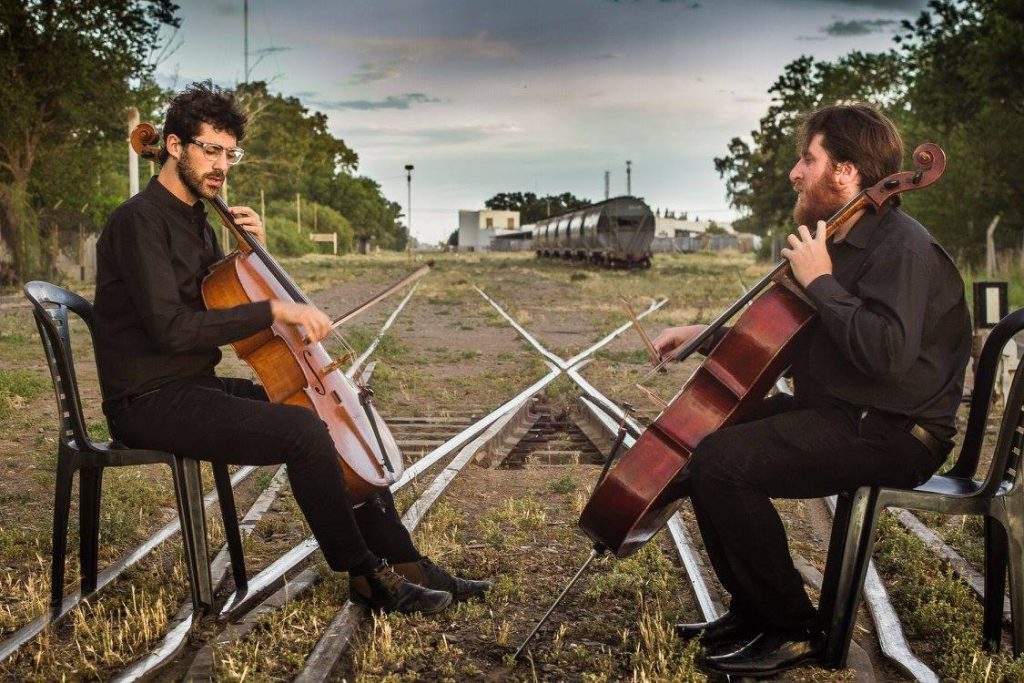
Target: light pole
column 408, row 206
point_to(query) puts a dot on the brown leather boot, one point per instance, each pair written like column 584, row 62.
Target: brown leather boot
column 426, row 573
column 386, row 590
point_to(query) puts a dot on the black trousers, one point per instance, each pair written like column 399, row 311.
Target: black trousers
column 230, row 421
column 788, row 451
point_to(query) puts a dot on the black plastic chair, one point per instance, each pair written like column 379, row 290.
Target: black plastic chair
column 998, row 497
column 77, row 452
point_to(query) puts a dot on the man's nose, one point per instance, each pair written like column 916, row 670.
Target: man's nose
column 221, row 163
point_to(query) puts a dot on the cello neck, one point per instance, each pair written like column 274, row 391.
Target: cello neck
column 248, row 242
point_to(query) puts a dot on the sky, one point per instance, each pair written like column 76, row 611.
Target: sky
column 543, row 96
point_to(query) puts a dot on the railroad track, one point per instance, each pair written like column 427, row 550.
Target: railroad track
column 520, row 433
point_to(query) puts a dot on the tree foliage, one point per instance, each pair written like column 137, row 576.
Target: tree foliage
column 290, row 151
column 955, row 76
column 532, row 208
column 65, row 73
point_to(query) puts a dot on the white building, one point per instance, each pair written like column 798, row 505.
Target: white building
column 670, row 227
column 478, row 228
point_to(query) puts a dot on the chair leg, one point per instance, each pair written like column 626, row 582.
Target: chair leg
column 995, row 583
column 61, row 510
column 189, row 491
column 1015, row 548
column 858, row 539
column 90, row 483
column 230, row 516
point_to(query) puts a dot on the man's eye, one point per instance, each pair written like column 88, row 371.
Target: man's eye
column 214, row 150
column 233, row 155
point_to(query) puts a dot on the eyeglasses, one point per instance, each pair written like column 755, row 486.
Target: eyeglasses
column 213, row 152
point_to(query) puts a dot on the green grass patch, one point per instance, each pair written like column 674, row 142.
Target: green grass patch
column 18, row 387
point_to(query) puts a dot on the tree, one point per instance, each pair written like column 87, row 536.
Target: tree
column 757, row 176
column 966, row 69
column 290, row 150
column 532, row 208
column 65, row 73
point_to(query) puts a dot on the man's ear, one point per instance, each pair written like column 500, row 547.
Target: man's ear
column 174, row 146
column 847, row 175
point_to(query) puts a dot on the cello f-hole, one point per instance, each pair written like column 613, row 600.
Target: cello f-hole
column 319, row 386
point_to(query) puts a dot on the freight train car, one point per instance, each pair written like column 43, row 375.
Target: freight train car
column 616, row 232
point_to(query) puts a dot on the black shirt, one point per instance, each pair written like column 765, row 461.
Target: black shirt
column 151, row 325
column 893, row 331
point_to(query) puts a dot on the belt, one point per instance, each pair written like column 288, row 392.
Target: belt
column 936, row 447
column 927, row 439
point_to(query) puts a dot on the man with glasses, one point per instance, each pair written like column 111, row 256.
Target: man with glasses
column 157, row 347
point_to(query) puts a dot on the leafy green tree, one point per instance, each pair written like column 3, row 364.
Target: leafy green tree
column 290, row 150
column 532, row 208
column 757, row 174
column 965, row 64
column 66, row 70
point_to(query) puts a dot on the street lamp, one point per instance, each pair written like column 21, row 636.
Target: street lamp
column 408, row 204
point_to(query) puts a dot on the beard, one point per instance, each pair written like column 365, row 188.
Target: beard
column 193, row 180
column 818, row 202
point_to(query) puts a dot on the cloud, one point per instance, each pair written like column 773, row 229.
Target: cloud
column 857, row 27
column 371, row 72
column 272, row 50
column 480, row 45
column 225, row 8
column 610, row 55
column 905, row 5
column 403, row 101
column 448, row 135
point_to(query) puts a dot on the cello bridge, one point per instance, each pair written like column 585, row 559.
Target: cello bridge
column 335, row 364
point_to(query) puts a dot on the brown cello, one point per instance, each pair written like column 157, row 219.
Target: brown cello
column 635, row 499
column 290, row 369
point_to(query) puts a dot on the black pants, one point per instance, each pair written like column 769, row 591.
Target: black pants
column 230, row 421
column 788, row 452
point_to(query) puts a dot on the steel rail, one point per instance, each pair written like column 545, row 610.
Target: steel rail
column 358, row 362
column 334, row 642
column 710, row 607
column 270, row 577
column 181, row 625
column 891, row 640
column 30, row 630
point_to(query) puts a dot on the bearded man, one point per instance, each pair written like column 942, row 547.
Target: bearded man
column 876, row 383
column 157, row 347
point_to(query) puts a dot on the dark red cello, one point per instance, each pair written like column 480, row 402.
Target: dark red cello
column 633, row 500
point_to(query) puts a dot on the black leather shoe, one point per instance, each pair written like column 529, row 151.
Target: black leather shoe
column 768, row 654
column 426, row 573
column 728, row 628
column 384, row 589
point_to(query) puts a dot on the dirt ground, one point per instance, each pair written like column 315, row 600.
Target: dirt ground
column 448, row 354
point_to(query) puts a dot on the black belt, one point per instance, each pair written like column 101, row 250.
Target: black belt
column 927, row 439
column 936, row 447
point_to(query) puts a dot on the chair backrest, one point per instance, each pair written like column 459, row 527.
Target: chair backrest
column 1007, row 454
column 51, row 305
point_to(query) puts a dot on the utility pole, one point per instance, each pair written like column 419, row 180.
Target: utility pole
column 607, row 184
column 629, row 177
column 245, row 44
column 408, row 207
column 133, row 158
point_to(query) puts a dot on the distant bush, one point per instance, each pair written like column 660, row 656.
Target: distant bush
column 286, row 239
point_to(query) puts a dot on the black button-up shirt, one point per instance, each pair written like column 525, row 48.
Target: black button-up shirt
column 151, row 325
column 893, row 331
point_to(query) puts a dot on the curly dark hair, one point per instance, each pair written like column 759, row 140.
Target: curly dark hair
column 202, row 103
